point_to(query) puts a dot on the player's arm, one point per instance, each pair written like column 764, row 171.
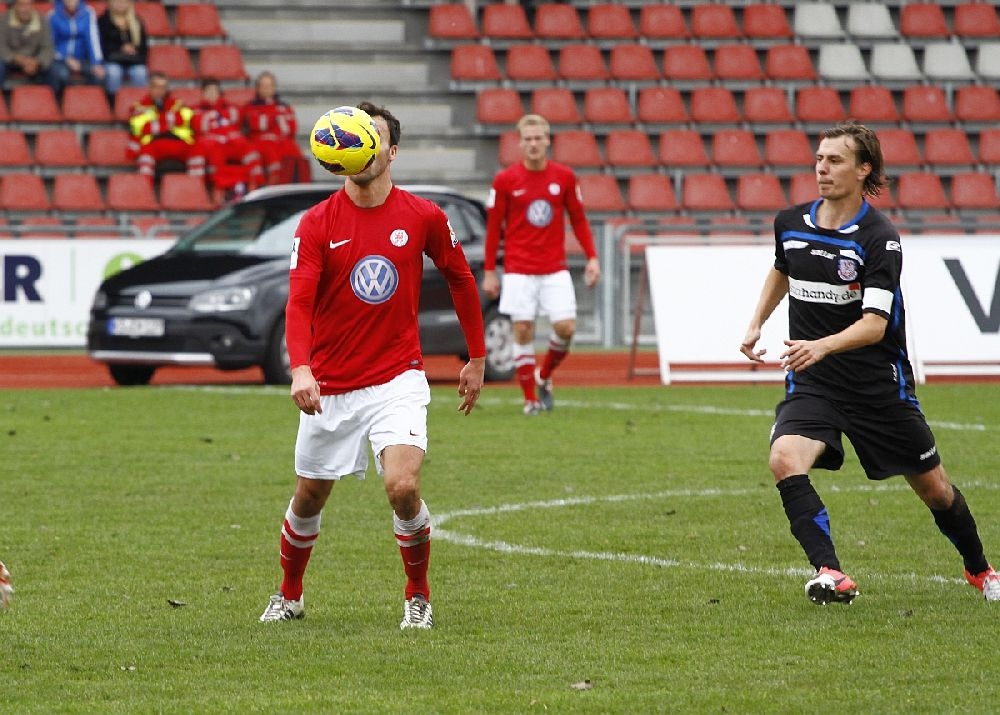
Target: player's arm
column 496, row 210
column 581, row 229
column 775, row 288
column 303, row 280
column 867, row 330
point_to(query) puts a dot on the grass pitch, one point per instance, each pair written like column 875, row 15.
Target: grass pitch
column 626, row 553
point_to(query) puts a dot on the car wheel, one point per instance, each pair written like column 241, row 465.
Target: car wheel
column 277, row 366
column 129, row 375
column 499, row 346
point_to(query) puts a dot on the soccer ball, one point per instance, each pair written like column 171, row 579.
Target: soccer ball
column 345, row 141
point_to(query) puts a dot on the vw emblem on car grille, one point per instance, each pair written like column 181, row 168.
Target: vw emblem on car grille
column 143, row 299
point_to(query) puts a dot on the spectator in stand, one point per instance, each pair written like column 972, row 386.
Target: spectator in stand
column 125, row 46
column 161, row 131
column 270, row 125
column 233, row 165
column 25, row 43
column 77, row 44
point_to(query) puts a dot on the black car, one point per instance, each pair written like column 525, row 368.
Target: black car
column 217, row 297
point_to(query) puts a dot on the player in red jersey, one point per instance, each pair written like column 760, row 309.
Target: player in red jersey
column 230, row 159
column 270, row 124
column 527, row 208
column 357, row 369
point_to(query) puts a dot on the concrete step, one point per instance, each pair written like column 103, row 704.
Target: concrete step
column 339, row 79
column 321, row 36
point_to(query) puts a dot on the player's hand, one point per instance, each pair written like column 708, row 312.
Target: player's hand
column 592, row 273
column 747, row 346
column 305, row 390
column 491, row 284
column 470, row 383
column 802, row 354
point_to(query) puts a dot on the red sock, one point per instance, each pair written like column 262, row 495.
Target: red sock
column 526, row 379
column 296, row 548
column 557, row 352
column 414, row 539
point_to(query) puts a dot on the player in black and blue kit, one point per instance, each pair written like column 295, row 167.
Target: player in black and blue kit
column 839, row 261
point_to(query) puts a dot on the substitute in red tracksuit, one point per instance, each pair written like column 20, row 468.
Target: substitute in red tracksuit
column 232, row 163
column 161, row 130
column 270, row 125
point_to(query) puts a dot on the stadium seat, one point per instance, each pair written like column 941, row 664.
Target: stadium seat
column 509, row 149
column 23, row 192
column 128, row 193
column 651, row 193
column 947, row 147
column 498, row 107
column 714, row 105
column 802, row 188
column 977, row 104
column 530, row 63
column 633, row 63
column 899, row 148
column 76, row 192
column 558, row 21
column 925, row 104
column 184, row 193
column 14, row 149
column 705, row 192
column 789, row 63
column 788, row 150
column 556, row 104
column 582, row 64
column 601, row 193
column 921, row 191
column 86, row 104
column 125, row 100
column 714, row 21
column 58, row 148
column 660, row 105
column 629, row 149
column 766, row 106
column 976, row 19
column 43, row 227
column 610, row 21
column 682, row 148
column 154, row 19
column 34, row 104
column 222, row 62
column 766, row 22
column 946, row 62
column 685, row 64
column 4, row 114
column 841, row 62
column 922, row 21
column 662, row 22
column 190, row 96
column 872, row 104
column 737, row 63
column 735, row 148
column 606, row 106
column 818, row 105
column 974, row 191
column 238, row 95
column 988, row 61
column 894, row 62
column 197, row 20
column 817, row 20
column 474, row 64
column 870, row 21
column 172, row 60
column 451, row 22
column 886, row 199
column 989, row 147
column 107, row 149
column 501, row 21
column 760, row 192
column 577, row 149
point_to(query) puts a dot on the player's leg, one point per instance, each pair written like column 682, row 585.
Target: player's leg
column 558, row 301
column 519, row 298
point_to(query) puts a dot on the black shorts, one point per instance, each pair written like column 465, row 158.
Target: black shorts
column 889, row 439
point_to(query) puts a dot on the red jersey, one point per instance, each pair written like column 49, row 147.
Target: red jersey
column 219, row 121
column 354, row 289
column 529, row 208
column 269, row 120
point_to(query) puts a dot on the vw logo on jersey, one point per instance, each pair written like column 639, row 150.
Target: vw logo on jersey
column 374, row 279
column 540, row 213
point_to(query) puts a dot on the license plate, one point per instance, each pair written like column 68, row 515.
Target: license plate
column 137, row 327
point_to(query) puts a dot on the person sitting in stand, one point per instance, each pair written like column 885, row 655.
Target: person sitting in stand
column 125, row 46
column 161, row 130
column 270, row 125
column 233, row 165
column 25, row 43
column 77, row 44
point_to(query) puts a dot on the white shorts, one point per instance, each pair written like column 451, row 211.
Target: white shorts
column 333, row 444
column 525, row 297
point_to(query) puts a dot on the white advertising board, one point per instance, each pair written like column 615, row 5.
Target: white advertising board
column 46, row 286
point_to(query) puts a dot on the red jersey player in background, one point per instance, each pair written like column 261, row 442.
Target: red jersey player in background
column 230, row 159
column 357, row 370
column 270, row 125
column 527, row 206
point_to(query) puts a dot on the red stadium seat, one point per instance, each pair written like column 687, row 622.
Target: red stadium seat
column 735, row 148
column 629, row 149
column 714, row 105
column 501, row 21
column 4, row 114
column 578, row 149
column 34, row 103
column 201, row 20
column 660, row 105
column 659, row 22
column 899, row 148
column 607, row 105
column 686, row 63
column 759, row 192
column 85, row 104
column 14, row 149
column 558, row 21
column 788, row 149
column 530, row 63
column 108, row 148
column 127, row 193
column 474, row 63
column 633, row 62
column 924, row 104
column 451, row 21
column 556, row 104
column 946, row 146
column 978, row 104
column 705, row 192
column 184, row 193
column 766, row 105
column 610, row 21
column 222, row 62
column 58, row 148
column 682, row 148
column 582, row 63
column 802, row 188
column 651, row 193
column 976, row 19
column 921, row 191
column 989, row 147
column 509, row 149
column 43, row 227
column 922, row 21
column 766, row 22
column 974, row 191
column 737, row 63
column 172, row 60
column 818, row 104
column 125, row 100
column 23, row 192
column 789, row 63
column 872, row 104
column 76, row 192
column 600, row 192
column 714, row 21
column 238, row 95
column 154, row 19
column 499, row 106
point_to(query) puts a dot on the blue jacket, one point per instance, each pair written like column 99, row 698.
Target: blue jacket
column 75, row 35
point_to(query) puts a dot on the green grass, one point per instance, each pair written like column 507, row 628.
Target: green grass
column 631, row 538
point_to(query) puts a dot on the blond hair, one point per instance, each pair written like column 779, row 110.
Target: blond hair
column 533, row 120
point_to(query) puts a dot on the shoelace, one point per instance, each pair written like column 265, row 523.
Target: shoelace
column 416, row 610
column 276, row 608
